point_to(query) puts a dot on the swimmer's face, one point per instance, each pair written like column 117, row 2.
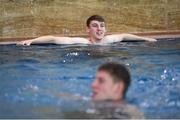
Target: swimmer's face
column 96, row 30
column 104, row 88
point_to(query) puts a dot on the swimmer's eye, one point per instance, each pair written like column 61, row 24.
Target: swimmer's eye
column 102, row 25
column 94, row 25
column 101, row 80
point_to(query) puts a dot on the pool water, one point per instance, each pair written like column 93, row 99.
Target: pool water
column 45, row 81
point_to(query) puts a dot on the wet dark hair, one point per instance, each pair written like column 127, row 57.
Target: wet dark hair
column 94, row 17
column 119, row 73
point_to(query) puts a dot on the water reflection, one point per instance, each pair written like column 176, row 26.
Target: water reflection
column 110, row 109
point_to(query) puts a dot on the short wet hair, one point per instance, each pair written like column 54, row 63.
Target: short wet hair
column 94, row 17
column 119, row 73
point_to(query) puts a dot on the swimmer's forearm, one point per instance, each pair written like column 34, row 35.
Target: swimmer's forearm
column 130, row 37
column 44, row 39
column 57, row 40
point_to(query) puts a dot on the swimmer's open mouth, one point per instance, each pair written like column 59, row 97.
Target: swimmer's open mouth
column 94, row 94
column 99, row 33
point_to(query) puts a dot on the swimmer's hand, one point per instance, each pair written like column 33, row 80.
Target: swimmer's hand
column 25, row 42
column 151, row 39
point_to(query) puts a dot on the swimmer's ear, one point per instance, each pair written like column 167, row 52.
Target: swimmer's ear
column 120, row 88
column 87, row 29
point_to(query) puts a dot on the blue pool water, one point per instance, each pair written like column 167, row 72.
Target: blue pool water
column 43, row 81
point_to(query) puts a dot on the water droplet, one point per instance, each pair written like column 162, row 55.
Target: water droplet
column 141, row 82
column 34, row 87
column 91, row 111
column 127, row 64
column 172, row 103
column 85, row 98
column 144, row 104
column 163, row 77
column 165, row 71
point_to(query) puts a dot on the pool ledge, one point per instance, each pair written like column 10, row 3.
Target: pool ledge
column 156, row 35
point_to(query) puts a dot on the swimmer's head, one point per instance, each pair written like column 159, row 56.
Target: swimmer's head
column 96, row 18
column 111, row 83
column 96, row 27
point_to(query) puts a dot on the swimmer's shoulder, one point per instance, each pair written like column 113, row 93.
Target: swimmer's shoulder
column 112, row 38
column 133, row 111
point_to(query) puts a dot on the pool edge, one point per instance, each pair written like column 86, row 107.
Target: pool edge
column 157, row 35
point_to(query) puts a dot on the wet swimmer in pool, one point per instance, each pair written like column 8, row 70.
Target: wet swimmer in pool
column 111, row 83
column 96, row 29
column 109, row 92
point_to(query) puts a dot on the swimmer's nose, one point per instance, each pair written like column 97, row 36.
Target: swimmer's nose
column 99, row 28
column 94, row 84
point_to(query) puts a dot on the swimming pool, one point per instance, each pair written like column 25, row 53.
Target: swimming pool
column 43, row 81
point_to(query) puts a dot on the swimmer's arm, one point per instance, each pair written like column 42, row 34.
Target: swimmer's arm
column 71, row 40
column 131, row 37
column 125, row 37
column 55, row 40
column 43, row 39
